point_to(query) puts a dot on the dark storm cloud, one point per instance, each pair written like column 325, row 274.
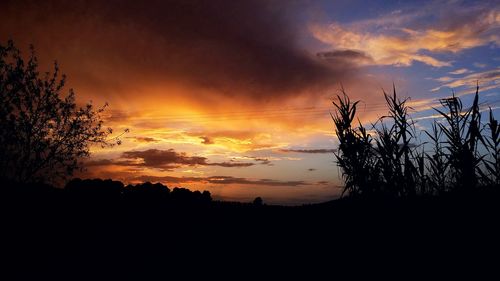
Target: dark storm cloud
column 240, row 48
column 346, row 56
column 155, row 158
column 162, row 159
column 308, row 150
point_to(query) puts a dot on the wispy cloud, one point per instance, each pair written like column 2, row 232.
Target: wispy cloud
column 486, row 78
column 483, row 108
column 236, row 140
column 459, row 71
column 479, row 65
column 322, row 150
column 143, row 139
column 444, row 79
column 401, row 42
column 263, row 161
column 224, row 180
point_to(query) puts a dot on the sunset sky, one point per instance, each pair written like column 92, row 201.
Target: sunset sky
column 234, row 96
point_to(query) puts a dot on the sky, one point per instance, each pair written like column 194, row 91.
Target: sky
column 235, row 97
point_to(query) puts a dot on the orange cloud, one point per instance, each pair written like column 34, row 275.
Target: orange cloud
column 403, row 45
column 224, row 180
column 143, row 139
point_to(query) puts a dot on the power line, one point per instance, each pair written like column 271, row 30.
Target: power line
column 262, row 114
column 249, row 113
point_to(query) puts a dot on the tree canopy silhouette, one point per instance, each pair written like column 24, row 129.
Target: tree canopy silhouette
column 43, row 134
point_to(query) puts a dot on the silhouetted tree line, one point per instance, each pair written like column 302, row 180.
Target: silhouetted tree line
column 110, row 189
column 464, row 154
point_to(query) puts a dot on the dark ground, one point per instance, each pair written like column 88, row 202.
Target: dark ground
column 47, row 231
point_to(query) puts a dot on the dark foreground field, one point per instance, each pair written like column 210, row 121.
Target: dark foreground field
column 50, row 231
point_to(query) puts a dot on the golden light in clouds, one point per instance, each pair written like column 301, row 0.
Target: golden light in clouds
column 221, row 89
column 230, row 135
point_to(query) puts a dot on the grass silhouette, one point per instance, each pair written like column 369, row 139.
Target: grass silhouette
column 392, row 164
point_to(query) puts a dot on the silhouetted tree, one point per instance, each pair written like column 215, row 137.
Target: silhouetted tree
column 258, row 201
column 43, row 134
column 147, row 191
column 206, row 196
column 181, row 194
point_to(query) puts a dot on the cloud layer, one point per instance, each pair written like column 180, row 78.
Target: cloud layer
column 401, row 39
column 487, row 79
column 223, row 180
column 164, row 160
column 244, row 49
